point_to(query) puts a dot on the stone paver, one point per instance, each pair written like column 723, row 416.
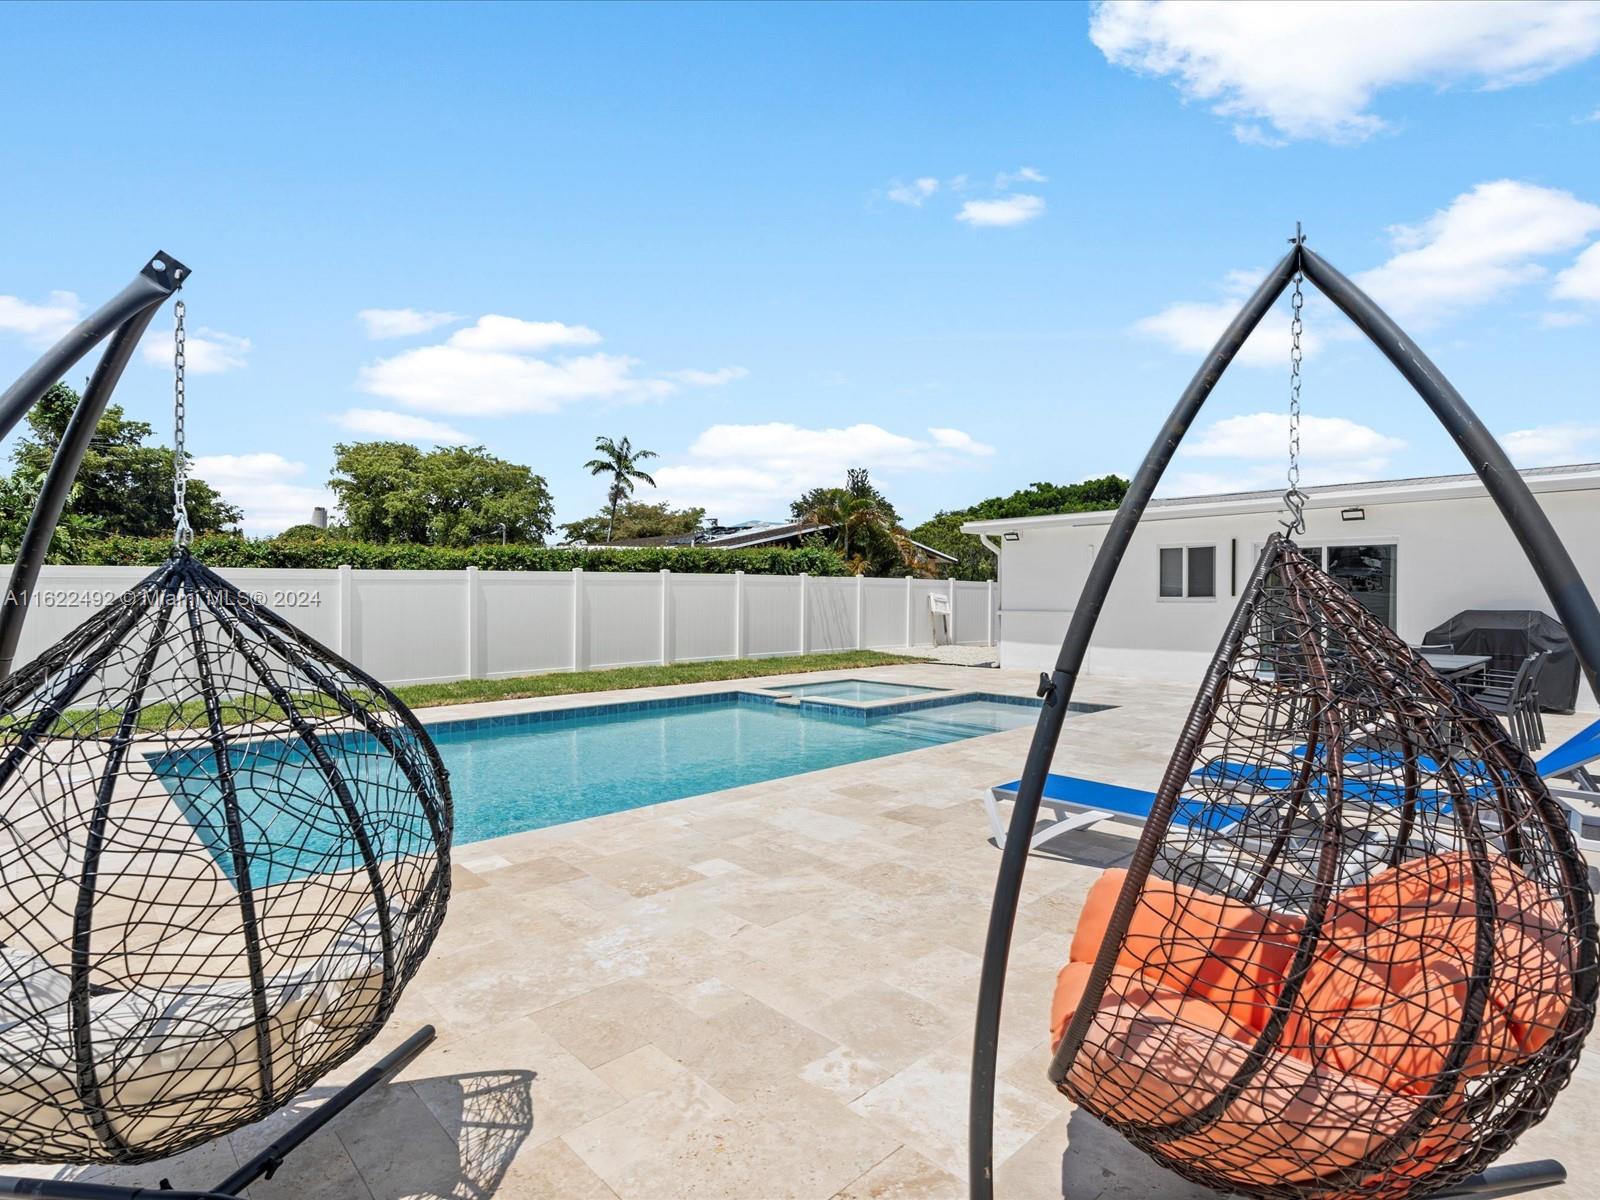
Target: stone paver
column 759, row 993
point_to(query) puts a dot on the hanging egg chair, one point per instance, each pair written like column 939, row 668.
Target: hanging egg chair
column 224, row 850
column 1365, row 959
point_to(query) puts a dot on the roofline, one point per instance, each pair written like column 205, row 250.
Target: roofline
column 1576, row 478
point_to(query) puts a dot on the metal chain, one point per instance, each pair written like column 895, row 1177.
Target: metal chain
column 182, row 533
column 1294, row 500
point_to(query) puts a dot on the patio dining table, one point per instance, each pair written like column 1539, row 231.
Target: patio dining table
column 1456, row 667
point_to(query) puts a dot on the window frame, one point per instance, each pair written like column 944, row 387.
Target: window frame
column 1336, row 543
column 1184, row 549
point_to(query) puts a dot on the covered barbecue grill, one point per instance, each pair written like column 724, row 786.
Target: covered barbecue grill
column 1509, row 635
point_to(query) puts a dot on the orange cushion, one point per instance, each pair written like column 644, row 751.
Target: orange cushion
column 1293, row 1122
column 1195, row 943
column 1386, row 995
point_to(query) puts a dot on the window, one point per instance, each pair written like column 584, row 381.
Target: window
column 1188, row 573
column 1368, row 570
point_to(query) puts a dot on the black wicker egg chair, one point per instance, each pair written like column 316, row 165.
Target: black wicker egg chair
column 224, row 850
column 1354, row 953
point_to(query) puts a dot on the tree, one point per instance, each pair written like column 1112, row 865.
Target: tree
column 450, row 496
column 943, row 530
column 858, row 521
column 621, row 461
column 635, row 519
column 122, row 488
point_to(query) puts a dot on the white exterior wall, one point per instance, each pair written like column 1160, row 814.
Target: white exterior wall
column 431, row 626
column 1452, row 554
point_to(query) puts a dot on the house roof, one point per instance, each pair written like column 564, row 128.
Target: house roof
column 1572, row 477
column 744, row 539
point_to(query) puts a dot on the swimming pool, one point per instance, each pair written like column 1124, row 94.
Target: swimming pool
column 528, row 770
column 859, row 690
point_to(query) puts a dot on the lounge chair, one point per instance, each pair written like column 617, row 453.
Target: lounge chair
column 1572, row 773
column 1070, row 802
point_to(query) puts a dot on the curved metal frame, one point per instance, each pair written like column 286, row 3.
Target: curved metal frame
column 123, row 318
column 1574, row 605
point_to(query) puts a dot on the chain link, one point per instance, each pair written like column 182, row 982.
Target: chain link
column 182, row 533
column 1294, row 500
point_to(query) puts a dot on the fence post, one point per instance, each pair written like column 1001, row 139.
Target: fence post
column 738, row 614
column 861, row 607
column 474, row 626
column 950, row 590
column 577, row 618
column 908, row 610
column 988, row 610
column 803, row 578
column 347, row 608
column 666, row 616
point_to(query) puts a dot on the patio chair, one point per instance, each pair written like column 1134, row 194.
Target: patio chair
column 1514, row 695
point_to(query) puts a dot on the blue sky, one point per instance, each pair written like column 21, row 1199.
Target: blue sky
column 969, row 247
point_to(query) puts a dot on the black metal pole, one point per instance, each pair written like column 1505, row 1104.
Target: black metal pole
column 268, row 1161
column 57, row 485
column 161, row 276
column 1057, row 692
column 1512, row 1180
column 1554, row 566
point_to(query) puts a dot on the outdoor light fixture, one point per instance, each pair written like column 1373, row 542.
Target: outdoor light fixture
column 1013, row 537
column 1352, row 514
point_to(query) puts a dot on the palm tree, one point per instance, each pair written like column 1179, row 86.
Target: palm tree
column 853, row 514
column 621, row 461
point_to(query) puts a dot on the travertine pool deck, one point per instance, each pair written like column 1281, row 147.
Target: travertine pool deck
column 760, row 993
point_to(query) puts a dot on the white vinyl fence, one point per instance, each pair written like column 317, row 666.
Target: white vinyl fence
column 430, row 626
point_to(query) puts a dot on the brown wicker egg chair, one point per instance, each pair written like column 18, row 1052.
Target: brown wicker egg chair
column 1366, row 959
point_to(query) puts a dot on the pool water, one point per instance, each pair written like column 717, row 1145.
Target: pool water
column 859, row 690
column 529, row 770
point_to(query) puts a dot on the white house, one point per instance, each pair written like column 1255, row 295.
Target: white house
column 1423, row 549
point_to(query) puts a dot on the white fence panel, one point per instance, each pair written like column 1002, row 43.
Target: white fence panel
column 525, row 622
column 701, row 620
column 409, row 626
column 971, row 617
column 621, row 619
column 771, row 615
column 830, row 614
column 427, row 626
column 884, row 624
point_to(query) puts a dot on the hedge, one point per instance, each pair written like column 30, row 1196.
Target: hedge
column 227, row 551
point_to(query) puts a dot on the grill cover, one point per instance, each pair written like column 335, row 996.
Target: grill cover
column 1509, row 635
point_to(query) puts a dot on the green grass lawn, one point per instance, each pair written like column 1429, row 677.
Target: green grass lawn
column 561, row 683
column 237, row 710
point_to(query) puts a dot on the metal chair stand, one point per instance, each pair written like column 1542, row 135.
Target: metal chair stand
column 263, row 1166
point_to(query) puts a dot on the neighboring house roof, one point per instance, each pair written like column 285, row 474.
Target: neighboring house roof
column 745, row 538
column 1573, row 477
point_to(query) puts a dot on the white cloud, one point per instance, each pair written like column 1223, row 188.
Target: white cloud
column 741, row 471
column 1333, row 450
column 956, row 439
column 500, row 365
column 382, row 323
column 1484, row 244
column 717, row 378
column 1015, row 209
column 1266, row 435
column 1313, row 69
column 40, row 324
column 1580, row 281
column 1487, row 242
column 401, row 427
column 1589, row 120
column 205, row 352
column 1192, row 327
column 266, row 486
column 1551, row 445
column 513, row 335
column 1006, row 180
column 913, row 193
column 448, row 379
